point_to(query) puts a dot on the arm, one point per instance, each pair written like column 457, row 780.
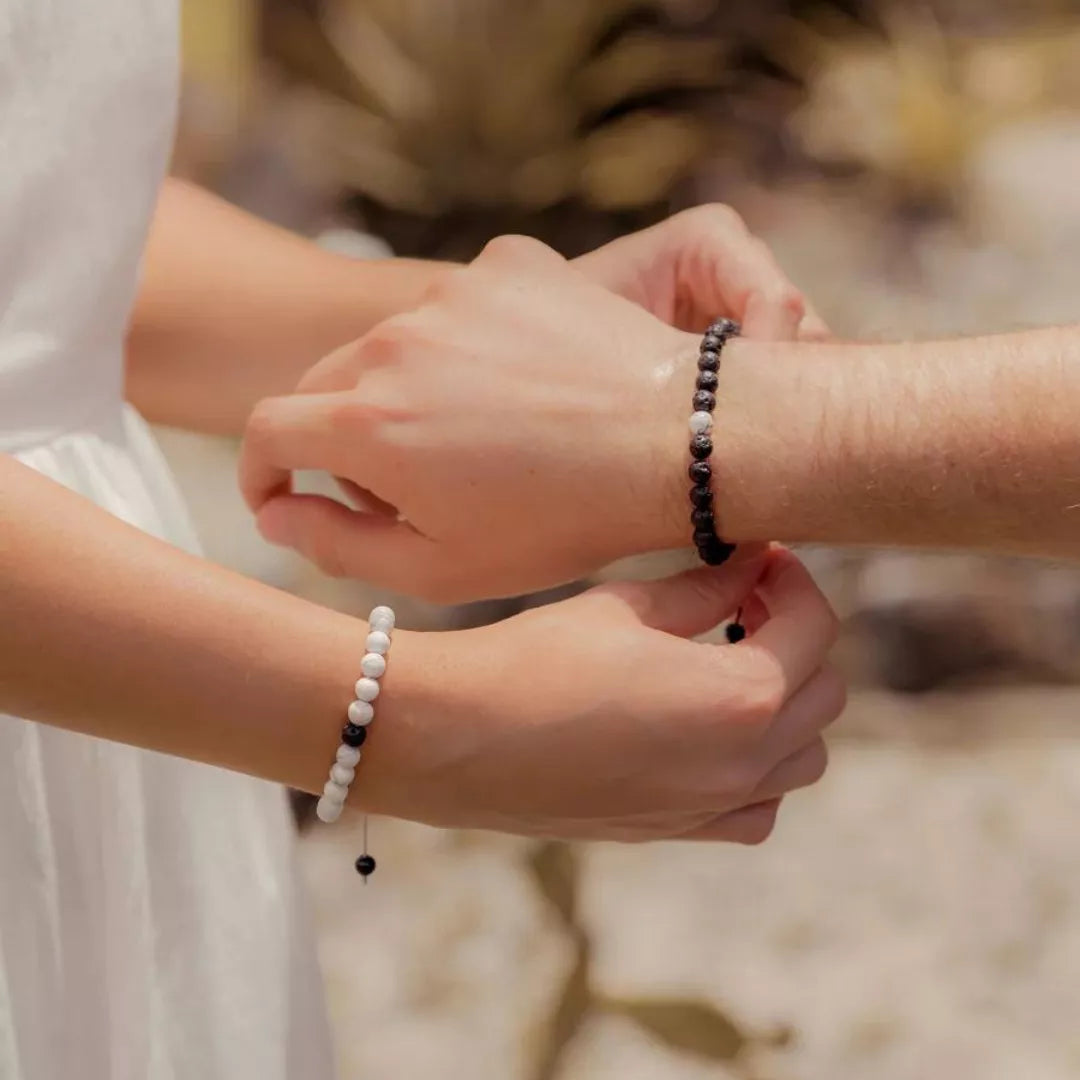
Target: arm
column 967, row 444
column 232, row 309
column 110, row 632
column 576, row 455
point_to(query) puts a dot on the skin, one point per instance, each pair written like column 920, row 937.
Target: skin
column 946, row 444
column 640, row 733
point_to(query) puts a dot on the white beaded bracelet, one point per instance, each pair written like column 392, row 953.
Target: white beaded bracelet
column 354, row 733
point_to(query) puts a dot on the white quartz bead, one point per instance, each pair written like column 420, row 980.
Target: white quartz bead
column 373, row 665
column 361, row 713
column 701, row 423
column 328, row 811
column 342, row 774
column 349, row 756
column 382, row 618
column 378, row 641
column 334, row 791
column 366, row 689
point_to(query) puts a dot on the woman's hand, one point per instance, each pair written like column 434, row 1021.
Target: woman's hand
column 595, row 718
column 700, row 264
column 527, row 425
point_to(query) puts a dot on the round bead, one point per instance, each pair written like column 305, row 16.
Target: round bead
column 342, row 774
column 701, row 423
column 378, row 641
column 335, row 792
column 735, row 632
column 700, row 472
column 701, row 447
column 353, row 735
column 373, row 665
column 703, row 538
column 384, row 617
column 716, row 553
column 707, row 380
column 704, row 401
column 724, row 327
column 703, row 519
column 328, row 811
column 701, row 496
column 366, row 689
column 349, row 756
column 709, row 360
column 361, row 713
column 365, row 866
column 712, row 343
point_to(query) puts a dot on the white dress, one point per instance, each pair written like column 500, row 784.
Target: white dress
column 151, row 927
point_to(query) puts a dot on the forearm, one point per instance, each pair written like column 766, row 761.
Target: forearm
column 108, row 631
column 233, row 309
column 969, row 443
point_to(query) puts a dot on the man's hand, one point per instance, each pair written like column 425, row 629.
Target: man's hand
column 522, row 428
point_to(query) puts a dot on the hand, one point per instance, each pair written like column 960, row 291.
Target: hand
column 595, row 719
column 701, row 264
column 527, row 425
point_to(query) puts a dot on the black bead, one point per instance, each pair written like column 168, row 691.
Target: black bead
column 704, row 538
column 703, row 519
column 700, row 472
column 704, row 401
column 712, row 343
column 735, row 632
column 715, row 553
column 709, row 360
column 725, row 328
column 353, row 735
column 700, row 447
column 707, row 380
column 701, row 496
column 365, row 866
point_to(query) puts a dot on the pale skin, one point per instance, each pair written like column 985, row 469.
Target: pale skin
column 968, row 444
column 640, row 733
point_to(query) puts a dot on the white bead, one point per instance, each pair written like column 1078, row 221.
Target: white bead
column 342, row 774
column 366, row 689
column 349, row 756
column 378, row 642
column 701, row 423
column 382, row 618
column 361, row 713
column 334, row 791
column 328, row 811
column 373, row 665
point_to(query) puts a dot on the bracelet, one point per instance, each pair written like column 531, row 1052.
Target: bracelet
column 354, row 733
column 713, row 550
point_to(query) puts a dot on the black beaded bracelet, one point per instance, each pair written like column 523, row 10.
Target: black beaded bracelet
column 710, row 547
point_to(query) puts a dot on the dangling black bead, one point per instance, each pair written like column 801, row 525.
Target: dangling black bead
column 365, row 866
column 735, row 631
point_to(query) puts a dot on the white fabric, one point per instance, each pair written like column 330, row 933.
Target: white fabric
column 150, row 924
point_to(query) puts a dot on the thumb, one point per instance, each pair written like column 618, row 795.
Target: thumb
column 695, row 601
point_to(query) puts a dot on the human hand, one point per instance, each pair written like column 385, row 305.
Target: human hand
column 596, row 719
column 521, row 429
column 700, row 264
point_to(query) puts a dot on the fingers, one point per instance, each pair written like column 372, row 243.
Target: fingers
column 802, row 769
column 751, row 825
column 693, row 602
column 726, row 270
column 813, row 328
column 288, row 433
column 806, row 715
column 800, row 629
column 347, row 543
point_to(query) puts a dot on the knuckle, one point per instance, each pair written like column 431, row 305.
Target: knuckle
column 725, row 217
column 835, row 691
column 514, row 247
column 761, row 696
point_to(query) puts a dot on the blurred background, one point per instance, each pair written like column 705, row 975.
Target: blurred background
column 917, row 168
